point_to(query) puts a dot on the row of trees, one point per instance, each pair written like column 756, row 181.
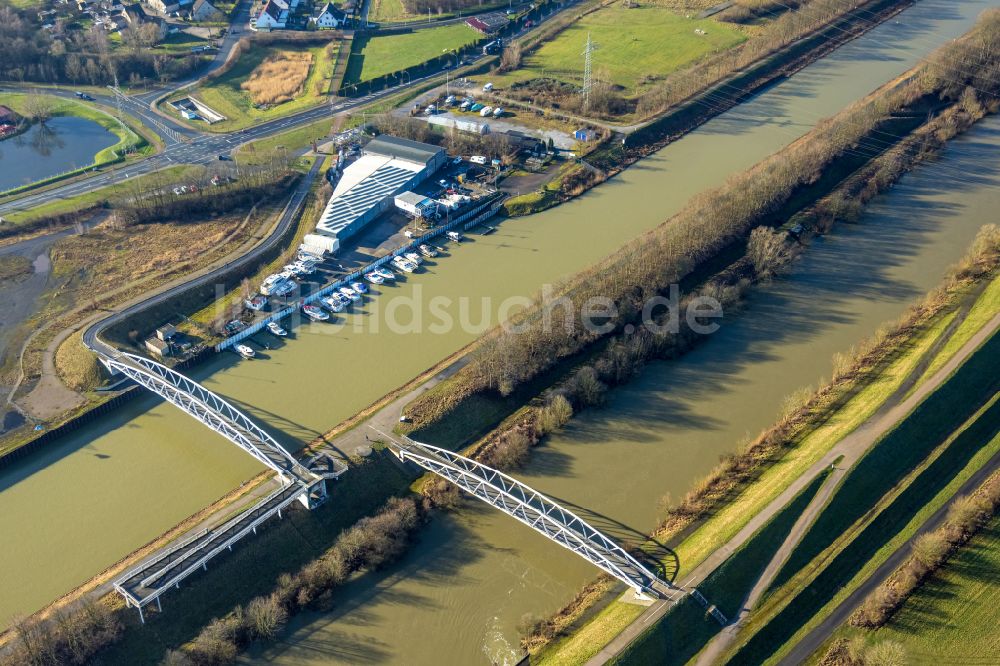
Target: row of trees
column 644, row 267
column 72, row 636
column 208, row 191
column 371, row 543
column 930, row 551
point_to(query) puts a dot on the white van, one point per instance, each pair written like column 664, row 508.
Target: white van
column 477, row 159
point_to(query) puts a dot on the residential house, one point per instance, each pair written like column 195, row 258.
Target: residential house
column 163, row 6
column 203, row 10
column 329, row 18
column 272, row 16
column 135, row 16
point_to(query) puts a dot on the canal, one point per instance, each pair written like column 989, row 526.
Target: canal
column 122, row 481
column 61, row 144
column 460, row 594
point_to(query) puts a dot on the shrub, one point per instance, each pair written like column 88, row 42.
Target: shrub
column 266, row 616
column 931, row 549
column 556, row 413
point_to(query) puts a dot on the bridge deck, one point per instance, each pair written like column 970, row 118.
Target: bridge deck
column 146, row 582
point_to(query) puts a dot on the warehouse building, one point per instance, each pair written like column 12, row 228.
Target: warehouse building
column 389, row 166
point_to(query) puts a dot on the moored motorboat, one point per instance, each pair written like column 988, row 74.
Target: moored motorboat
column 347, row 292
column 455, row 236
column 385, row 273
column 245, row 351
column 315, row 313
column 276, row 329
column 333, row 303
column 375, row 277
column 359, row 287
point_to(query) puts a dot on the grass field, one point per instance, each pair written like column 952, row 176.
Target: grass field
column 635, row 47
column 393, row 11
column 956, row 613
column 227, row 95
column 987, row 305
column 375, row 57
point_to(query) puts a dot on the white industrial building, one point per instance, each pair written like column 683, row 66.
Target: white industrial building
column 416, row 205
column 389, row 166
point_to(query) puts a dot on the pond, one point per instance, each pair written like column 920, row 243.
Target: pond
column 61, row 144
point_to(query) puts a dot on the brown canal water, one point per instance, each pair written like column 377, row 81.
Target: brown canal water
column 120, row 482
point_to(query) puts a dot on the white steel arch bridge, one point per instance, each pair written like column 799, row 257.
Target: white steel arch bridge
column 146, row 583
column 538, row 512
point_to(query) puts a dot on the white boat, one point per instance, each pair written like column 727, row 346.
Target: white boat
column 414, row 258
column 374, row 277
column 359, row 287
column 332, row 304
column 308, row 256
column 275, row 328
column 314, row 313
column 385, row 273
column 428, row 251
column 245, row 351
column 284, row 288
column 455, row 236
column 403, row 265
column 349, row 293
column 270, row 284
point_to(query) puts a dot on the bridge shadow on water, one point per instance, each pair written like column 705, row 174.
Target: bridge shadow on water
column 659, row 557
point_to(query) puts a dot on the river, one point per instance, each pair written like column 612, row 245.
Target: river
column 61, row 144
column 122, row 481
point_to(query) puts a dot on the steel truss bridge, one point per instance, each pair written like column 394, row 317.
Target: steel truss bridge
column 147, row 582
column 538, row 512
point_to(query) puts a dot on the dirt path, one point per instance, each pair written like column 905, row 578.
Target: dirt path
column 850, row 449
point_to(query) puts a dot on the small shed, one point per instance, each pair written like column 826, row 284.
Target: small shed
column 158, row 346
column 166, row 332
column 584, row 134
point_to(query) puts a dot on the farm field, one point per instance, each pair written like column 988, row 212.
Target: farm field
column 635, row 47
column 378, row 56
column 957, row 611
column 269, row 82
